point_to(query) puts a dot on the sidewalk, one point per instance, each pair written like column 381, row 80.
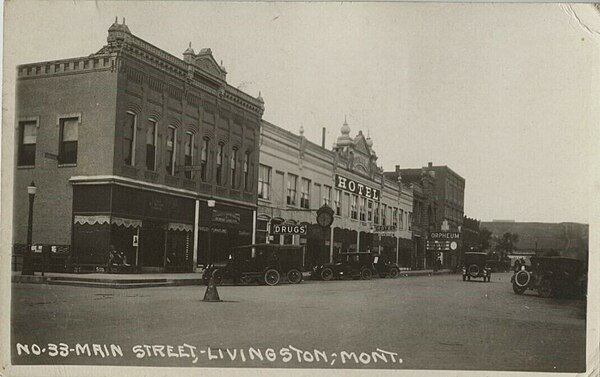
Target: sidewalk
column 123, row 281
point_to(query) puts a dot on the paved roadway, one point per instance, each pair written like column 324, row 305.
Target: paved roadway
column 431, row 322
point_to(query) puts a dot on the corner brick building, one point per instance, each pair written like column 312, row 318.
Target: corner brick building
column 132, row 141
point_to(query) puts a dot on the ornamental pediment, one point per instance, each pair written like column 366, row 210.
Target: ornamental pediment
column 207, row 63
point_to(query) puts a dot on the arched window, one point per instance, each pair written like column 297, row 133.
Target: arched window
column 129, row 139
column 171, row 150
column 151, row 135
column 189, row 153
column 219, row 164
column 247, row 171
column 204, row 159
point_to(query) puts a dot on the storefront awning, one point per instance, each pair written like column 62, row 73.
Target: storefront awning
column 127, row 223
column 181, row 227
column 91, row 220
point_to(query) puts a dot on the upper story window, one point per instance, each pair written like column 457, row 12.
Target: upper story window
column 363, row 209
column 204, row 159
column 171, row 150
column 233, row 166
column 219, row 162
column 189, row 153
column 376, row 214
column 305, row 193
column 27, row 143
column 291, row 189
column 69, row 136
column 383, row 214
column 401, row 219
column 151, row 145
column 409, row 220
column 129, row 139
column 395, row 217
column 327, row 196
column 264, row 182
column 247, row 171
column 354, row 207
column 338, row 202
column 370, row 211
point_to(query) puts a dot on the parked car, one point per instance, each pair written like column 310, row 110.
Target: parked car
column 385, row 267
column 358, row 265
column 551, row 276
column 475, row 266
column 267, row 265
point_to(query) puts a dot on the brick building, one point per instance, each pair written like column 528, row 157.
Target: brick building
column 107, row 138
column 443, row 197
column 298, row 176
column 424, row 211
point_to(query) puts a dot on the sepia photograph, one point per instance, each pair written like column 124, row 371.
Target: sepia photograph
column 300, row 188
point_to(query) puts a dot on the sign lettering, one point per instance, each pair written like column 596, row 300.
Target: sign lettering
column 289, row 229
column 354, row 187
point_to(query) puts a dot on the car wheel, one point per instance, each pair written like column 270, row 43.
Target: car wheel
column 394, row 272
column 272, row 277
column 294, row 276
column 327, row 274
column 473, row 270
column 366, row 274
column 517, row 289
column 545, row 288
column 522, row 278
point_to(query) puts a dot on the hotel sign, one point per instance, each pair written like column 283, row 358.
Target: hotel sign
column 354, row 187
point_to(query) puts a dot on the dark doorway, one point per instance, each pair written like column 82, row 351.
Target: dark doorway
column 152, row 244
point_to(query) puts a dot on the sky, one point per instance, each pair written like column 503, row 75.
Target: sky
column 506, row 95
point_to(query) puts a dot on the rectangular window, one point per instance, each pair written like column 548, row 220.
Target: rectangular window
column 204, row 159
column 401, row 219
column 354, row 207
column 363, row 209
column 69, row 135
column 370, row 211
column 233, row 167
column 291, row 189
column 376, row 215
column 409, row 220
column 327, row 196
column 383, row 214
column 27, row 143
column 151, row 145
column 305, row 194
column 338, row 202
column 129, row 140
column 264, row 182
column 171, row 139
column 189, row 153
column 395, row 217
column 220, row 164
column 247, row 171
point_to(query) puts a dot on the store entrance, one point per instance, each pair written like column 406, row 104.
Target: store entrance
column 152, row 246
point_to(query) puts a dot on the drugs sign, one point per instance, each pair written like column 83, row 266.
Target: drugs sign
column 289, row 229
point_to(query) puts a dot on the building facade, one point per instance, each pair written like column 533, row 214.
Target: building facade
column 296, row 177
column 127, row 145
column 422, row 183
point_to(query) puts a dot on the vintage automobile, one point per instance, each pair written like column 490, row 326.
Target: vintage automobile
column 267, row 265
column 551, row 277
column 475, row 266
column 356, row 265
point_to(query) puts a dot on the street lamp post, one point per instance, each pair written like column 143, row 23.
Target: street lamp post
column 28, row 268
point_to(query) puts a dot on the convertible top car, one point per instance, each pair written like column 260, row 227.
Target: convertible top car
column 475, row 266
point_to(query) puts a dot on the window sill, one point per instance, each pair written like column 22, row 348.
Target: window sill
column 67, row 165
column 26, row 167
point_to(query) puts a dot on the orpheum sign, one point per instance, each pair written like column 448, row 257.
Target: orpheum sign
column 444, row 236
column 354, row 187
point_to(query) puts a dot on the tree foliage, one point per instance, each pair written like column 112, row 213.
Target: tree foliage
column 485, row 237
column 507, row 244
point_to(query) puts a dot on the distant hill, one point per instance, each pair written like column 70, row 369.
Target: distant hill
column 568, row 239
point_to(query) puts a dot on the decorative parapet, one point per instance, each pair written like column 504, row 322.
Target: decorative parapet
column 66, row 66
